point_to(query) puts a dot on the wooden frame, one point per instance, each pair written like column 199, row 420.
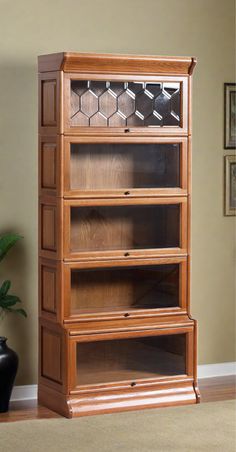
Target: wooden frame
column 229, row 119
column 230, row 185
column 61, row 328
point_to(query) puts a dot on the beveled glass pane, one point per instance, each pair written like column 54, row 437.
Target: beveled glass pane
column 107, row 103
column 124, row 166
column 120, row 104
column 104, row 228
column 124, row 289
column 130, row 359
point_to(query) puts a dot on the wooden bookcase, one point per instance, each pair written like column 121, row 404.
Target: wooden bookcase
column 115, row 331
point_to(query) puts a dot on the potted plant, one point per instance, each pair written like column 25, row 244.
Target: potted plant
column 8, row 302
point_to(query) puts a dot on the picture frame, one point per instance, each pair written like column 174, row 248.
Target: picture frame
column 230, row 185
column 230, row 115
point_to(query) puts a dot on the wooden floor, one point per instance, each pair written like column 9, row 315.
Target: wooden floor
column 212, row 390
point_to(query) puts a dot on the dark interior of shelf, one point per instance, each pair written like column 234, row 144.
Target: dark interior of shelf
column 102, row 166
column 95, row 228
column 124, row 288
column 131, row 359
column 96, row 103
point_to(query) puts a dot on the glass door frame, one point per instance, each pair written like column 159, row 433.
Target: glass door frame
column 123, row 254
column 121, row 315
column 124, row 192
column 140, row 383
column 156, row 130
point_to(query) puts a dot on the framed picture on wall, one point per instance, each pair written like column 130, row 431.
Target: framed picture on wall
column 230, row 185
column 230, row 116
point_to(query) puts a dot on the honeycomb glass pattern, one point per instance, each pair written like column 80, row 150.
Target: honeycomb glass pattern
column 125, row 104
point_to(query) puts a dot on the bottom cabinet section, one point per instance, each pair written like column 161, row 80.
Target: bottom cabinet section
column 106, row 372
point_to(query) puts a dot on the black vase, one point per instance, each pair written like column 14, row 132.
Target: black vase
column 8, row 369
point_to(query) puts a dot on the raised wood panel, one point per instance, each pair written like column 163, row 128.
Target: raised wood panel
column 48, row 155
column 48, row 227
column 50, row 160
column 49, row 103
column 50, row 94
column 50, row 290
column 51, row 359
column 49, row 284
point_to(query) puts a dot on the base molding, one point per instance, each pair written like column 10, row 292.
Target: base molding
column 179, row 393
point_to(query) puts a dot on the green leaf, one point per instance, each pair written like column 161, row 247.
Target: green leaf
column 7, row 241
column 5, row 288
column 18, row 311
column 9, row 300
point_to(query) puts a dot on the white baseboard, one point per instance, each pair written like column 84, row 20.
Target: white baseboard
column 25, row 392
column 216, row 370
column 29, row 392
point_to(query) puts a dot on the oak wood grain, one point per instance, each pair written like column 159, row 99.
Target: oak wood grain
column 87, row 226
column 115, row 63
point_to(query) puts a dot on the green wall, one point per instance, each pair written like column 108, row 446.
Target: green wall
column 201, row 28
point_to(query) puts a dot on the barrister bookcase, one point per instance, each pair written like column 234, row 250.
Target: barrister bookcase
column 115, row 330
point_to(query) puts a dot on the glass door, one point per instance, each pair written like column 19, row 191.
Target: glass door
column 130, row 289
column 125, row 168
column 126, row 228
column 132, row 359
column 155, row 104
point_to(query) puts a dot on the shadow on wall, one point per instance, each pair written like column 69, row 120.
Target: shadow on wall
column 18, row 192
